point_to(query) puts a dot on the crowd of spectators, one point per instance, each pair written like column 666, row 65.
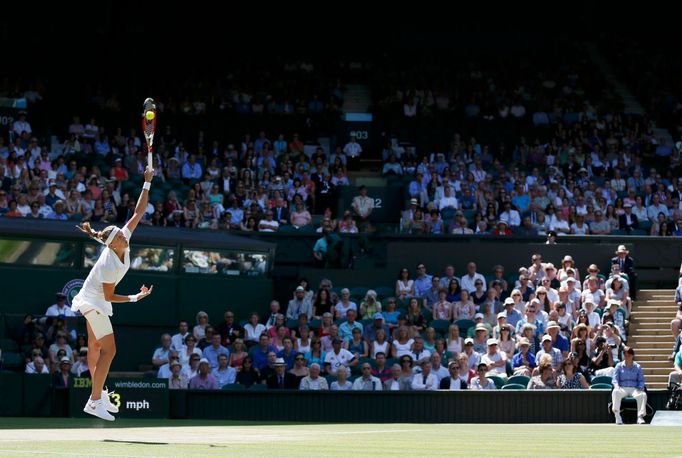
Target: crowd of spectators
column 260, row 184
column 590, row 176
column 543, row 326
column 49, row 344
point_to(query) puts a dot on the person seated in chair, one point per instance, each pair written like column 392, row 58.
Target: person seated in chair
column 453, row 382
column 63, row 377
column 628, row 380
column 281, row 379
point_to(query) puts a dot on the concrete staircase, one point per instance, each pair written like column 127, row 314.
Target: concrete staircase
column 650, row 336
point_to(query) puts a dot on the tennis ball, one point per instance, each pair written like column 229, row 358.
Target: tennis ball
column 150, row 115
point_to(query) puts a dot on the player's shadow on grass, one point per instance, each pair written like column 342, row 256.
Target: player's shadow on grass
column 135, row 442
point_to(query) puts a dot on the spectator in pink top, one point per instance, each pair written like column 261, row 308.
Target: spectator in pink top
column 300, row 216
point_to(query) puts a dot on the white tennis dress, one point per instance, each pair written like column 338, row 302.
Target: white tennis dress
column 107, row 269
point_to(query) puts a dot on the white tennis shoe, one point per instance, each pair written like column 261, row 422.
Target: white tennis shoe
column 107, row 402
column 619, row 419
column 96, row 408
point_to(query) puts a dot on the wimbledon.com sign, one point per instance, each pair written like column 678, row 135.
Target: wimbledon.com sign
column 147, row 398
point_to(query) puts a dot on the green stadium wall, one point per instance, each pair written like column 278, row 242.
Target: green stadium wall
column 503, row 406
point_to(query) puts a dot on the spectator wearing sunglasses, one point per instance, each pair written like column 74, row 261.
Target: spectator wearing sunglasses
column 481, row 382
column 453, row 382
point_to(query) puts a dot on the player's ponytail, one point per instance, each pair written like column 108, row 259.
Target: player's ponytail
column 100, row 236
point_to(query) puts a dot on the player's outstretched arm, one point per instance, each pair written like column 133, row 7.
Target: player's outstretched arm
column 142, row 201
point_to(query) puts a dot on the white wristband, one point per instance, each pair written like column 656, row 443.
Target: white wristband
column 133, row 298
column 147, row 185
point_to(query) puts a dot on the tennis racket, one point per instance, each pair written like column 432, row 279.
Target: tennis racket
column 149, row 127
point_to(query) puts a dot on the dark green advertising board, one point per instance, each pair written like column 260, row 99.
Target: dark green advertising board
column 135, row 398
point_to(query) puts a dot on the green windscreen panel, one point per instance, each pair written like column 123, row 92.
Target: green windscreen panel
column 11, row 394
column 38, row 395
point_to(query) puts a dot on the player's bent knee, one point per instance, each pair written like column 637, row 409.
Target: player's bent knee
column 108, row 345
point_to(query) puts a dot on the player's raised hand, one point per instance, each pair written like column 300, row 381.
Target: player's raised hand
column 148, row 174
column 144, row 291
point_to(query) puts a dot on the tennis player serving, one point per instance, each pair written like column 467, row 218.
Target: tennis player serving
column 95, row 298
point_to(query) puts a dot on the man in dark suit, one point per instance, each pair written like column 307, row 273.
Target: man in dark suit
column 226, row 182
column 229, row 329
column 628, row 220
column 280, row 213
column 63, row 377
column 453, row 382
column 281, row 379
column 627, row 266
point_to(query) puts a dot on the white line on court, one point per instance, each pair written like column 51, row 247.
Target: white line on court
column 34, row 452
column 185, row 435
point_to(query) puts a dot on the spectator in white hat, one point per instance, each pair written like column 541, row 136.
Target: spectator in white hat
column 203, row 380
column 495, row 359
column 574, row 296
column 618, row 291
column 473, row 357
column 615, row 316
column 523, row 362
column 63, row 377
column 627, row 266
column 299, row 304
column 513, row 316
column 281, row 379
column 548, row 349
column 558, row 341
column 593, row 317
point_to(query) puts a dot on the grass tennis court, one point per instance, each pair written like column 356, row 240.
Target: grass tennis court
column 137, row 438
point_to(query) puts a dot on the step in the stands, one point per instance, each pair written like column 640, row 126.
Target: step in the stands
column 651, row 337
column 649, row 344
